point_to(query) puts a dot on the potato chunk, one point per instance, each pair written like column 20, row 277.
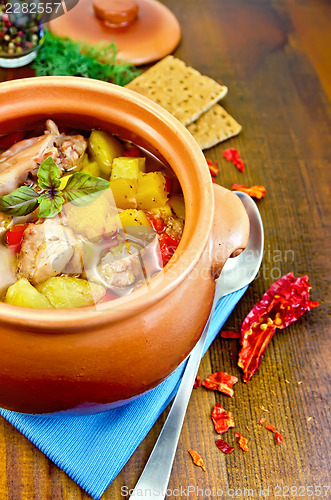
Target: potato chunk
column 151, row 191
column 127, row 167
column 92, row 220
column 124, row 192
column 177, row 204
column 65, row 291
column 103, row 148
column 133, row 218
column 23, row 294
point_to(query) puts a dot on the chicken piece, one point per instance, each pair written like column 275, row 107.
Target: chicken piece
column 46, row 250
column 21, row 160
column 121, row 273
column 24, row 157
column 70, row 148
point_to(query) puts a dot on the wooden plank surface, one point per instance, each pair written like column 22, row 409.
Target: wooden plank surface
column 274, row 55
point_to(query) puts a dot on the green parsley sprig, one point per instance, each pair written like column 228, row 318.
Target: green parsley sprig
column 63, row 56
column 81, row 189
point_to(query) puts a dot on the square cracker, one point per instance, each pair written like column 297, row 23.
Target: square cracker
column 214, row 126
column 178, row 88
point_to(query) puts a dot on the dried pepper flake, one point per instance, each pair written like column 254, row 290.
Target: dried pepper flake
column 221, row 382
column 257, row 191
column 213, row 167
column 278, row 437
column 222, row 419
column 197, row 382
column 233, row 155
column 242, row 441
column 197, row 460
column 262, row 421
column 270, row 427
column 224, row 446
column 229, row 334
column 285, row 301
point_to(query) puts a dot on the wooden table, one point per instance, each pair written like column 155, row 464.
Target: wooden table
column 275, row 58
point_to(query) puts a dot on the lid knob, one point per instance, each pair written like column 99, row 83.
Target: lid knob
column 117, row 13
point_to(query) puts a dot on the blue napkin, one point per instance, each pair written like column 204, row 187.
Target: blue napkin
column 92, row 449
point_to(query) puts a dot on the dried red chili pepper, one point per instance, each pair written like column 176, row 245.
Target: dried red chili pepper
column 233, row 155
column 213, row 167
column 262, row 421
column 230, row 335
column 285, row 301
column 242, row 441
column 278, row 437
column 222, row 419
column 221, row 382
column 257, row 191
column 270, row 427
column 197, row 382
column 223, row 446
column 197, row 460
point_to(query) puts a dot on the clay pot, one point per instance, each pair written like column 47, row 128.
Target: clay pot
column 52, row 360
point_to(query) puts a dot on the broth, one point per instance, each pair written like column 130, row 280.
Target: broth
column 85, row 217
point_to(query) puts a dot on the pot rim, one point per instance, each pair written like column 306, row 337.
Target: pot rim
column 197, row 189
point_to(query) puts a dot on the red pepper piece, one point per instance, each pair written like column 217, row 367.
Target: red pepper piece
column 285, row 301
column 262, row 421
column 107, row 297
column 133, row 152
column 221, row 382
column 229, row 334
column 157, row 223
column 224, row 446
column 233, row 155
column 213, row 167
column 278, row 437
column 15, row 237
column 257, row 191
column 197, row 460
column 270, row 427
column 168, row 247
column 242, row 441
column 168, row 184
column 222, row 419
column 9, row 140
column 197, row 382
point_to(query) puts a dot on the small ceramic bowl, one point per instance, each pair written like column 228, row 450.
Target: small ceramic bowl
column 54, row 360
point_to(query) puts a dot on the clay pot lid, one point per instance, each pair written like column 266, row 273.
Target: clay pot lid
column 144, row 31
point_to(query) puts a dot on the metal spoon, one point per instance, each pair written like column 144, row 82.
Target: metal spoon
column 237, row 273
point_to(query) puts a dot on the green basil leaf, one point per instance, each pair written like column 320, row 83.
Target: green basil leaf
column 50, row 205
column 82, row 188
column 21, row 201
column 49, row 174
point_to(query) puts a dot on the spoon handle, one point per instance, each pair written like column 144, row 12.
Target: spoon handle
column 154, row 479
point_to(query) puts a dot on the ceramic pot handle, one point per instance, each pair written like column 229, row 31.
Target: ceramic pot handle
column 230, row 230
